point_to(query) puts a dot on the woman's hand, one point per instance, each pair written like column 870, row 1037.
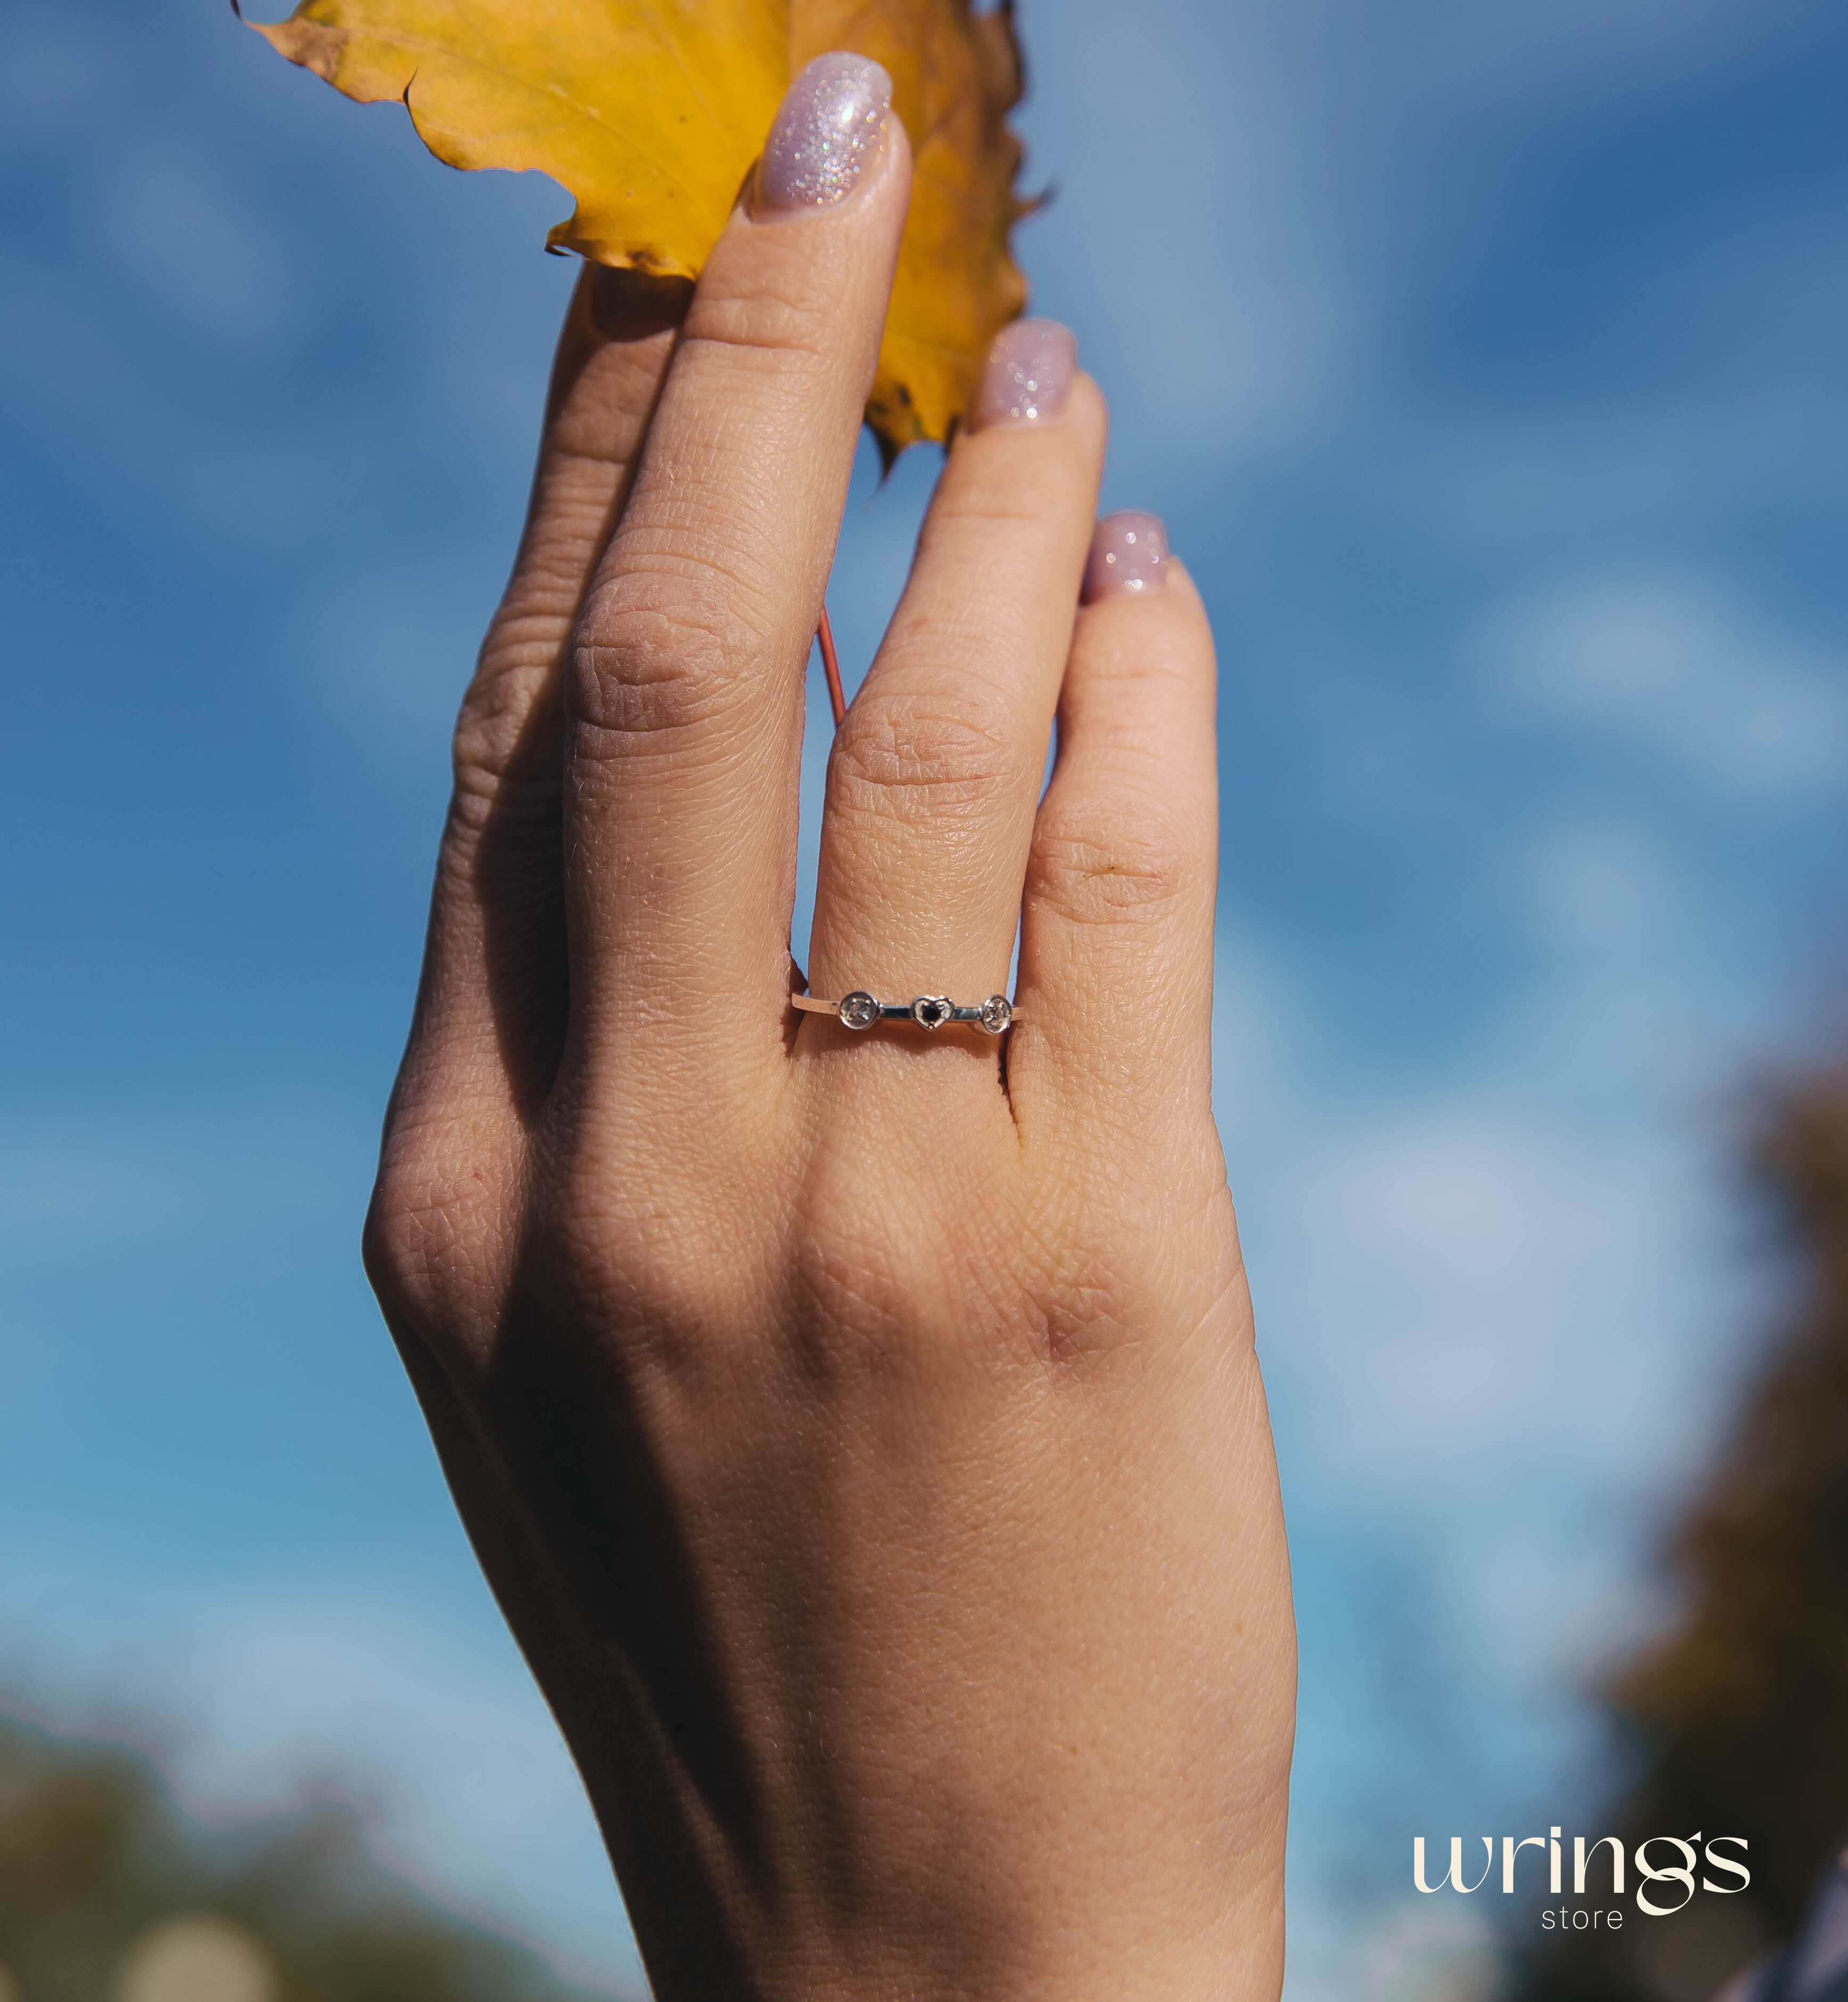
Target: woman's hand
column 862, row 1431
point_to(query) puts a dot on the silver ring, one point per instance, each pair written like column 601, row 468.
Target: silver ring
column 859, row 1010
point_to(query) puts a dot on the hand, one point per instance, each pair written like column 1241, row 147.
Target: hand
column 862, row 1431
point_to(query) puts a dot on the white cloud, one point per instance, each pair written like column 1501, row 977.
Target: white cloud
column 1668, row 663
column 1249, row 193
column 1566, row 484
column 1604, row 889
column 181, row 235
column 1471, row 1269
column 1187, row 235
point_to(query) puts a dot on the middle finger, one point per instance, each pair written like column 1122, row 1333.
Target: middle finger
column 936, row 771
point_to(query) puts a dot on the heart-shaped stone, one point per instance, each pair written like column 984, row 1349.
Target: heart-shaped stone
column 932, row 1011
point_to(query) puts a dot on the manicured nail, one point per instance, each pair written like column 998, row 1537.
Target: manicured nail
column 1128, row 553
column 826, row 135
column 1030, row 370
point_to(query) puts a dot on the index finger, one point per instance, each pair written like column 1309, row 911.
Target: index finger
column 487, row 1033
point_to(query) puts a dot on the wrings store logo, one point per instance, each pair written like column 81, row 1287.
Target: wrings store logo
column 1667, row 1871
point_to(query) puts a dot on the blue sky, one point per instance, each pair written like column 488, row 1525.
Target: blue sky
column 1488, row 365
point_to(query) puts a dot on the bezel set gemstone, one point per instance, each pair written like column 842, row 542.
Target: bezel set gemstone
column 858, row 1010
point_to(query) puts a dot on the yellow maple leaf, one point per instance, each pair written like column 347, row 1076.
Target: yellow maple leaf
column 650, row 113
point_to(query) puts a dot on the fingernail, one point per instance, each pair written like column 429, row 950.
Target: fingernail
column 1129, row 551
column 1030, row 370
column 826, row 134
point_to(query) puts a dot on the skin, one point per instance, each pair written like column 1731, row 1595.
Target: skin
column 863, row 1434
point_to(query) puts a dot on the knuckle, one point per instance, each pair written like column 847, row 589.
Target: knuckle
column 655, row 656
column 505, row 768
column 778, row 323
column 403, row 1251
column 917, row 756
column 993, row 517
column 1113, row 861
column 488, row 729
column 432, row 1231
column 867, row 1294
column 661, row 1268
column 888, row 1271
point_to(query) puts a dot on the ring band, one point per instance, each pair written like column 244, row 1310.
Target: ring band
column 858, row 1010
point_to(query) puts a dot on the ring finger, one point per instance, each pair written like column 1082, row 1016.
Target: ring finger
column 936, row 771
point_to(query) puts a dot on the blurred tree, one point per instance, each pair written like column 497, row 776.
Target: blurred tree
column 107, row 1896
column 1737, row 1720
